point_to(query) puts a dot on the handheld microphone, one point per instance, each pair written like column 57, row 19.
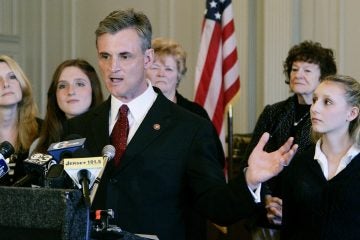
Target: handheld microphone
column 6, row 149
column 69, row 145
column 108, row 153
column 83, row 171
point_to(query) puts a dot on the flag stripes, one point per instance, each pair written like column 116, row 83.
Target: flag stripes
column 217, row 79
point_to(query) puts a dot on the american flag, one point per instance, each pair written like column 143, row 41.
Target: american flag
column 217, row 79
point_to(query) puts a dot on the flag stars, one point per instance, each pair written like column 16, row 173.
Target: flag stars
column 213, row 4
column 217, row 15
column 214, row 9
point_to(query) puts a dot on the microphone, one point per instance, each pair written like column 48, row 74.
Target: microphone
column 6, row 149
column 108, row 153
column 84, row 175
column 83, row 171
column 72, row 143
column 35, row 166
column 56, row 176
column 84, row 179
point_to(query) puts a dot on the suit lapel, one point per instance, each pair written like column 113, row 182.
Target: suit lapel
column 100, row 126
column 157, row 120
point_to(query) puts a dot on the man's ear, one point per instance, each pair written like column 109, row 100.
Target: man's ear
column 148, row 58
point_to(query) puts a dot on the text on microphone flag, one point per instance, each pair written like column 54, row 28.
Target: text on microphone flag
column 73, row 165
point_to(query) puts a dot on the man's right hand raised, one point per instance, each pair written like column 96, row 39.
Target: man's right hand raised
column 263, row 165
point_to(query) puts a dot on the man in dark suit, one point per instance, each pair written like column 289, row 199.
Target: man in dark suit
column 171, row 155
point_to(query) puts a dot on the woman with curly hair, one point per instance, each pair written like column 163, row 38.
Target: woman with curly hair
column 306, row 65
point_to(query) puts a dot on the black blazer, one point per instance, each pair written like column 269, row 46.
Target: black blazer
column 162, row 170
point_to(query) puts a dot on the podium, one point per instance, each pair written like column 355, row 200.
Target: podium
column 42, row 213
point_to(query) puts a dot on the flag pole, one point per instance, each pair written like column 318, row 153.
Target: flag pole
column 230, row 141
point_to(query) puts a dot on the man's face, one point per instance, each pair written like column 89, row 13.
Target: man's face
column 122, row 63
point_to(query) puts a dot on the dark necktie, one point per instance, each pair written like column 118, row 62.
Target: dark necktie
column 119, row 134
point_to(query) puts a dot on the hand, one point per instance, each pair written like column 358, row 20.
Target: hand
column 273, row 206
column 264, row 165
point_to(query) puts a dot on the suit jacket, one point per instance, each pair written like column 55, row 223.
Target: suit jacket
column 162, row 170
column 196, row 224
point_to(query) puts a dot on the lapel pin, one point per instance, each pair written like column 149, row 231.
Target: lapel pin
column 156, row 126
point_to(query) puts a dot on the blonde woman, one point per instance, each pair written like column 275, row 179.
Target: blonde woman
column 18, row 122
column 321, row 185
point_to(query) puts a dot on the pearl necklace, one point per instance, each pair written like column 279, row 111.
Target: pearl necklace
column 302, row 118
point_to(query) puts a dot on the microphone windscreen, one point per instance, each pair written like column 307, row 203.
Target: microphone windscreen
column 108, row 151
column 6, row 149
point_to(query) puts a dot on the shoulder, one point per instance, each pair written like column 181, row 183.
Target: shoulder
column 102, row 109
column 279, row 110
column 191, row 106
column 164, row 108
column 95, row 117
column 288, row 103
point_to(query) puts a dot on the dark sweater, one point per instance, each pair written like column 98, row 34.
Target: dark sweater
column 314, row 208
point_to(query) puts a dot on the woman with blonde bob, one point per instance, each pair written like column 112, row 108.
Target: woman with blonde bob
column 321, row 185
column 18, row 122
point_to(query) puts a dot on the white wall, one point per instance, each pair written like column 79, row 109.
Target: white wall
column 42, row 33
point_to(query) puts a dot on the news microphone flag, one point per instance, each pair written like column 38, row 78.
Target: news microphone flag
column 6, row 149
column 38, row 163
column 217, row 80
column 56, row 149
column 73, row 166
column 4, row 168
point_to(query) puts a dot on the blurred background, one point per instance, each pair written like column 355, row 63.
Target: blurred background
column 40, row 34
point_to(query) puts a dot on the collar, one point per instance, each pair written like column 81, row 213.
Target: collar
column 345, row 160
column 138, row 107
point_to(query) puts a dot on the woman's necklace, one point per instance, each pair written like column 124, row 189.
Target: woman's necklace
column 301, row 119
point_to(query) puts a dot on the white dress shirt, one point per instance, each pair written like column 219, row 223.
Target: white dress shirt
column 345, row 160
column 138, row 109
